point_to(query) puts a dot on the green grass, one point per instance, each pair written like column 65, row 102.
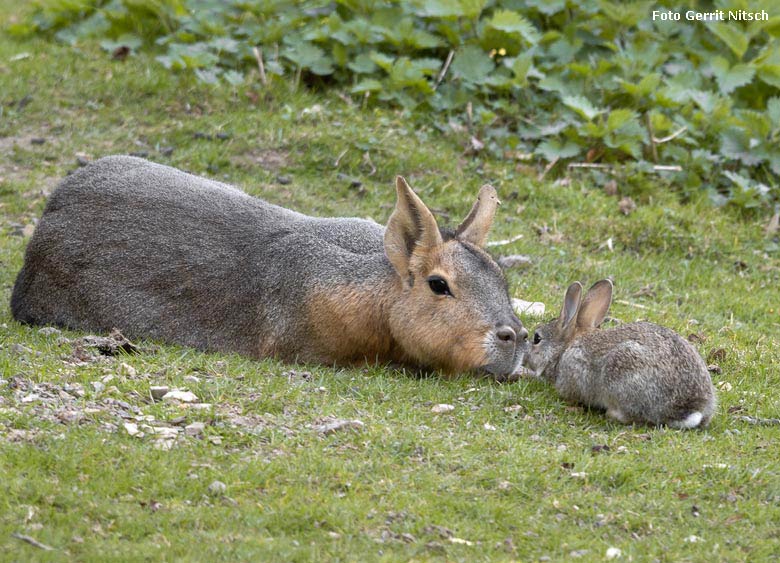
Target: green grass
column 526, row 486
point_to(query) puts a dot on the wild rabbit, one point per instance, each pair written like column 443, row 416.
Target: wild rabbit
column 639, row 372
column 166, row 255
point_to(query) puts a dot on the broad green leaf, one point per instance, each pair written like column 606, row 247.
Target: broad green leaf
column 773, row 111
column 627, row 14
column 735, row 144
column 367, row 85
column 127, row 40
column 442, row 8
column 645, row 87
column 757, row 123
column 733, row 36
column 226, row 44
column 428, row 66
column 554, row 83
column 660, row 123
column 405, row 74
column 309, row 57
column 592, row 129
column 208, row 75
column 383, row 61
column 520, row 66
column 339, row 54
column 452, row 8
column 421, row 39
column 363, row 31
column 547, row 7
column 233, row 78
column 771, row 26
column 195, row 55
column 473, row 8
column 565, row 49
column 582, row 106
column 705, row 100
column 170, row 61
column 553, row 148
column 729, row 79
column 770, row 73
column 362, row 64
column 472, row 65
column 514, row 24
column 619, row 118
column 626, row 144
column 746, row 192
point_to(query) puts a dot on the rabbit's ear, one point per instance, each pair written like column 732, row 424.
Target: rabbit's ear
column 595, row 305
column 571, row 303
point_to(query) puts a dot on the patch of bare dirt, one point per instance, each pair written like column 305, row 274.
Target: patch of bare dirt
column 269, row 159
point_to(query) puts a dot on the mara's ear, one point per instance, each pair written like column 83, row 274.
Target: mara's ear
column 571, row 304
column 475, row 226
column 595, row 305
column 411, row 226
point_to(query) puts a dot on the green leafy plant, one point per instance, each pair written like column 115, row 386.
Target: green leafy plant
column 596, row 81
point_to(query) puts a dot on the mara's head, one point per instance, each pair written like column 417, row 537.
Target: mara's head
column 454, row 312
column 578, row 317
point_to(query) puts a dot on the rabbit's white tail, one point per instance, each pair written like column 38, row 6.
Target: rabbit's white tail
column 690, row 421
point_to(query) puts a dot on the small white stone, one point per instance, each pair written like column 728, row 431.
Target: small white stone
column 180, row 396
column 460, row 541
column 165, row 432
column 163, row 444
column 48, row 331
column 131, row 428
column 158, row 391
column 693, row 539
column 98, row 386
column 530, row 308
column 191, row 379
column 194, row 429
column 488, row 426
column 613, row 553
column 217, row 488
column 338, row 425
column 127, row 370
column 442, row 408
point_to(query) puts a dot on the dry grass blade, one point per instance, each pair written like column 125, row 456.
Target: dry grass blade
column 32, row 541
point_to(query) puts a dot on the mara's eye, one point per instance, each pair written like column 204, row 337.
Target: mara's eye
column 439, row 286
column 537, row 338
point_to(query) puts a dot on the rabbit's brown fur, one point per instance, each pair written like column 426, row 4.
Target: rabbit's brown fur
column 638, row 372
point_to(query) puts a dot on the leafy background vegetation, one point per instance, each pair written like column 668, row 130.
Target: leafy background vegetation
column 544, row 82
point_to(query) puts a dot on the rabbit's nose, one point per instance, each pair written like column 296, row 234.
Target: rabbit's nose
column 522, row 334
column 506, row 334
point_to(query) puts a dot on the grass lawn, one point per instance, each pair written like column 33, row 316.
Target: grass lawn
column 512, row 473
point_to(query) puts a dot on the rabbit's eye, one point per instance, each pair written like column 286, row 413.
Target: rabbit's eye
column 439, row 286
column 537, row 338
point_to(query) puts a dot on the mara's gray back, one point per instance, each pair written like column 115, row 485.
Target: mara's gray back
column 166, row 255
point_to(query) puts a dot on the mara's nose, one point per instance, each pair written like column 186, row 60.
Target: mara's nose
column 506, row 334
